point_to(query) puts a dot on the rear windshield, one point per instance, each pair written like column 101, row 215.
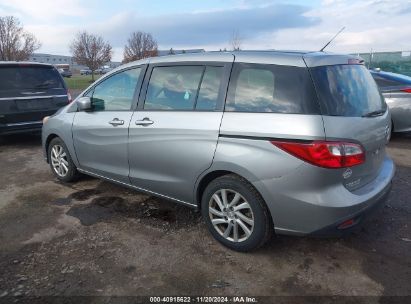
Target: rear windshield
column 29, row 78
column 347, row 90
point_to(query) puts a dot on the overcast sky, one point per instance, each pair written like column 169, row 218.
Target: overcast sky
column 383, row 25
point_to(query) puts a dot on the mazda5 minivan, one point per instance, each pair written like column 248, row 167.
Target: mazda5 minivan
column 260, row 142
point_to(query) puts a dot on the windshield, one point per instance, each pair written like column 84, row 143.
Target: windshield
column 29, row 77
column 347, row 90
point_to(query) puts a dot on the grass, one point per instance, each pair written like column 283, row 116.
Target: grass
column 79, row 82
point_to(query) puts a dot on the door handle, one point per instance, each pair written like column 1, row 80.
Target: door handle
column 144, row 122
column 116, row 122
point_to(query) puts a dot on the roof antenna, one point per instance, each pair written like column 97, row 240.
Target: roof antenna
column 343, row 28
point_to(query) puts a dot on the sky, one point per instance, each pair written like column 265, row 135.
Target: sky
column 381, row 25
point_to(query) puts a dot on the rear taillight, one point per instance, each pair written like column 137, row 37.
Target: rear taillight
column 327, row 154
column 69, row 97
column 406, row 90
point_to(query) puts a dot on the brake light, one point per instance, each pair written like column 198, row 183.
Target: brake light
column 69, row 97
column 326, row 154
column 406, row 90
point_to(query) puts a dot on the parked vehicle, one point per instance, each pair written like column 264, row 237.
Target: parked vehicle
column 396, row 89
column 85, row 72
column 65, row 72
column 103, row 70
column 241, row 136
column 28, row 93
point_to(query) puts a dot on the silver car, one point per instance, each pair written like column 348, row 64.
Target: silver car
column 396, row 89
column 260, row 142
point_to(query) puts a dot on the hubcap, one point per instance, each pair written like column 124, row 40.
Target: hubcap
column 59, row 160
column 231, row 215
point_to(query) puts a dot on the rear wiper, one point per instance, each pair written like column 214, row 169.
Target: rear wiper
column 374, row 113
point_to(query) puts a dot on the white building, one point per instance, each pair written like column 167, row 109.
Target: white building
column 61, row 59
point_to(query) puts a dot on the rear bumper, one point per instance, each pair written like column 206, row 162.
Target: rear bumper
column 375, row 205
column 300, row 207
column 21, row 127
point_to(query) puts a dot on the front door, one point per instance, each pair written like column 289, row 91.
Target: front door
column 101, row 135
column 174, row 133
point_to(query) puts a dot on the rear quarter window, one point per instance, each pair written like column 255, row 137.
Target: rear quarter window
column 271, row 89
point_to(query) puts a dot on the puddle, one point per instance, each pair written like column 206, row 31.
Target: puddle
column 62, row 201
column 153, row 212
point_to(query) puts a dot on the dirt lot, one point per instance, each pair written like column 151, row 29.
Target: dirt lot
column 94, row 238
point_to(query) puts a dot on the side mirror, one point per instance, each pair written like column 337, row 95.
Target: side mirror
column 84, row 103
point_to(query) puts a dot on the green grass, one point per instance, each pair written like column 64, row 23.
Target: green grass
column 79, row 82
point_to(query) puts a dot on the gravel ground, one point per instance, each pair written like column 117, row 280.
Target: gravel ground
column 93, row 238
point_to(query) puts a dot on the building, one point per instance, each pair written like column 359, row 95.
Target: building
column 61, row 59
column 51, row 59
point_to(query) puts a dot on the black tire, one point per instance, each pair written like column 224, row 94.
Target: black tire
column 263, row 225
column 72, row 173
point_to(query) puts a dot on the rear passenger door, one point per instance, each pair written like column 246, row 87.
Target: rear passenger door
column 174, row 132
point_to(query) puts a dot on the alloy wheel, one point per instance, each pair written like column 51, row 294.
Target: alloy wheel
column 59, row 160
column 231, row 215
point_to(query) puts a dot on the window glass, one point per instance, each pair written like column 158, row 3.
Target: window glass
column 391, row 79
column 209, row 89
column 270, row 88
column 347, row 90
column 383, row 82
column 29, row 78
column 116, row 92
column 173, row 88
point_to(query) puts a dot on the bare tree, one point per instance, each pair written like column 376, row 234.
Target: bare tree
column 140, row 45
column 236, row 41
column 15, row 43
column 90, row 50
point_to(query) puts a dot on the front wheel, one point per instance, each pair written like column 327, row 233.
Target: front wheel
column 235, row 213
column 60, row 161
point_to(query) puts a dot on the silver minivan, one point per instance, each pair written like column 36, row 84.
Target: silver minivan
column 260, row 142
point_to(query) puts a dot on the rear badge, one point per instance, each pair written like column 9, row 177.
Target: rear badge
column 347, row 173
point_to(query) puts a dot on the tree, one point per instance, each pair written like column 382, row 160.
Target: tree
column 236, row 41
column 90, row 50
column 15, row 43
column 140, row 45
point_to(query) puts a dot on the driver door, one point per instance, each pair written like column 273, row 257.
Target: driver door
column 101, row 135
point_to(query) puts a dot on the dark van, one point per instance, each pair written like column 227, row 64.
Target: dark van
column 28, row 93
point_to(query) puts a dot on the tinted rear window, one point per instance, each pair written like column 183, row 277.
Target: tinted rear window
column 271, row 88
column 29, row 78
column 347, row 90
column 391, row 80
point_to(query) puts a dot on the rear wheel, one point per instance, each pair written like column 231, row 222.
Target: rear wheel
column 60, row 161
column 235, row 213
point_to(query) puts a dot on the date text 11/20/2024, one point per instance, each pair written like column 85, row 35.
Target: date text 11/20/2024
column 204, row 299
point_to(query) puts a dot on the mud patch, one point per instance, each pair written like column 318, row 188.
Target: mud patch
column 84, row 195
column 153, row 212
